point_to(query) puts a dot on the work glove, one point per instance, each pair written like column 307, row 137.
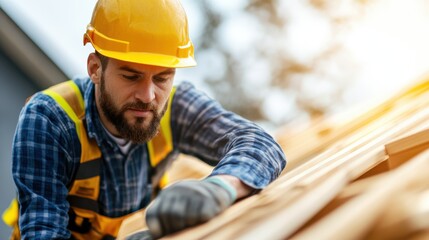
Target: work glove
column 188, row 203
column 141, row 235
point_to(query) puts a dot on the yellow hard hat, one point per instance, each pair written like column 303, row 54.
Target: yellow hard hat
column 153, row 32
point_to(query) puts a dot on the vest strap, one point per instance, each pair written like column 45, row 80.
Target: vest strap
column 162, row 144
column 83, row 203
column 88, row 169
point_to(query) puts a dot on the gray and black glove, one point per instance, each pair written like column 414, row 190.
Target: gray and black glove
column 188, row 203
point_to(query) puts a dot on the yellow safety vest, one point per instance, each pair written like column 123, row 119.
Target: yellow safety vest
column 84, row 220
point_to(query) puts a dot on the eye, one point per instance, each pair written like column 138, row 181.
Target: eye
column 160, row 79
column 131, row 77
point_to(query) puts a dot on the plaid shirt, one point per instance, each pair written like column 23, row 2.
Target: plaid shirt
column 46, row 156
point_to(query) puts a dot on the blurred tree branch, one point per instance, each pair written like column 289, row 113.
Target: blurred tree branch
column 330, row 67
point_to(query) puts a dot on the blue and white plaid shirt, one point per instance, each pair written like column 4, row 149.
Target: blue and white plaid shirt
column 46, row 156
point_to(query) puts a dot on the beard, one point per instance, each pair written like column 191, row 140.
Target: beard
column 136, row 132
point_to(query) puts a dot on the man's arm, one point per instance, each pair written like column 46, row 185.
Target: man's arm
column 246, row 158
column 236, row 146
column 41, row 169
column 241, row 189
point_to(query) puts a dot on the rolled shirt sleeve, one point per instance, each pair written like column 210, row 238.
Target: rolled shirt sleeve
column 236, row 146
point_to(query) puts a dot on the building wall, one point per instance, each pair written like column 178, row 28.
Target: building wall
column 15, row 88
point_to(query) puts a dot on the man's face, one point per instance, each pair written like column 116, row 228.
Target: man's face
column 132, row 98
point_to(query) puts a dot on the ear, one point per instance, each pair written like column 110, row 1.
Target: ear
column 94, row 68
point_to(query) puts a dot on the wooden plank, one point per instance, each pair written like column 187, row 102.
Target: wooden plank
column 295, row 214
column 406, row 215
column 350, row 221
column 397, row 159
column 378, row 168
column 131, row 225
column 404, row 148
column 410, row 141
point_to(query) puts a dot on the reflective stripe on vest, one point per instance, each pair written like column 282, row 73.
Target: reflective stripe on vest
column 161, row 145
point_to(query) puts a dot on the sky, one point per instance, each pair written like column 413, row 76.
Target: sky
column 388, row 42
column 392, row 44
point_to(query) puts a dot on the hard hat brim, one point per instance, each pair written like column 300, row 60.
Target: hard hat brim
column 149, row 58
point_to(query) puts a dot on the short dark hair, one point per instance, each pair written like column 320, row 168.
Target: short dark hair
column 103, row 59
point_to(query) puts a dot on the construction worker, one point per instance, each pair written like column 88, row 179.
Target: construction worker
column 92, row 151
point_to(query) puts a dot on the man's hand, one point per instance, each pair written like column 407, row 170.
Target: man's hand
column 188, row 203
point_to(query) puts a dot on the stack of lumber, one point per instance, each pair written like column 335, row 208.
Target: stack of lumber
column 360, row 178
column 301, row 145
column 342, row 180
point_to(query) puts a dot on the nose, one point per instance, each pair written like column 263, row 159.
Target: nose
column 145, row 91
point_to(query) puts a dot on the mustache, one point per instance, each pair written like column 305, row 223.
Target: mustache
column 139, row 105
